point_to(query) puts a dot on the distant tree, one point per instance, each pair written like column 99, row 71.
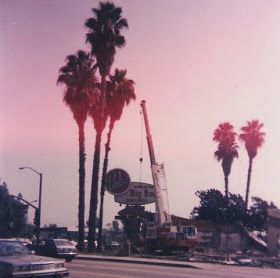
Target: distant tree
column 236, row 209
column 18, row 215
column 51, row 226
column 212, row 206
column 115, row 226
column 120, row 91
column 253, row 138
column 104, row 37
column 78, row 76
column 215, row 208
column 133, row 220
column 12, row 214
column 258, row 214
column 5, row 219
column 225, row 136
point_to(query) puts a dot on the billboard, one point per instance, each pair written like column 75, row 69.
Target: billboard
column 138, row 193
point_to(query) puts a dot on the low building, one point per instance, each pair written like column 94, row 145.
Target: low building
column 273, row 231
column 222, row 237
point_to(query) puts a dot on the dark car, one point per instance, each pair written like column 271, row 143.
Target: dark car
column 57, row 248
column 18, row 261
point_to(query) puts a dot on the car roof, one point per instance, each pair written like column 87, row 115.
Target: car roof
column 9, row 239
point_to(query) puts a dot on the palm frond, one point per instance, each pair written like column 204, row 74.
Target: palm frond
column 91, row 23
column 121, row 24
column 78, row 76
column 252, row 137
column 104, row 34
column 120, row 41
column 120, row 91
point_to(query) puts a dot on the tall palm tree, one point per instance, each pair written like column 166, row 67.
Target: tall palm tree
column 104, row 36
column 253, row 138
column 78, row 76
column 227, row 149
column 120, row 91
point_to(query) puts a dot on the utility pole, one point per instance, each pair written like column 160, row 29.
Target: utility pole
column 37, row 217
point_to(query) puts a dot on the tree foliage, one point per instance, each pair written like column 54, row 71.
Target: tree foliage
column 12, row 214
column 78, row 76
column 225, row 136
column 104, row 34
column 133, row 219
column 120, row 91
column 258, row 213
column 213, row 208
column 253, row 138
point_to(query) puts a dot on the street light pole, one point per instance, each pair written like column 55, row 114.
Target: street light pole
column 37, row 214
column 40, row 196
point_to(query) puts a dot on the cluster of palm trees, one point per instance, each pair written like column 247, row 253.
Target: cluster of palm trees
column 227, row 150
column 102, row 98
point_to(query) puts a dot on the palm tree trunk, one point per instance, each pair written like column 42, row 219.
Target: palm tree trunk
column 248, row 183
column 103, row 182
column 82, row 173
column 226, row 187
column 94, row 193
column 95, row 170
column 226, row 193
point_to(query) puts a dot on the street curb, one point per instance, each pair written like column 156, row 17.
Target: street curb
column 137, row 261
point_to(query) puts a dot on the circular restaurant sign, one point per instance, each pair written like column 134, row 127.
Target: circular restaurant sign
column 117, row 181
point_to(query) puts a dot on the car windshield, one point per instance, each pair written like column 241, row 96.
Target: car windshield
column 61, row 242
column 12, row 248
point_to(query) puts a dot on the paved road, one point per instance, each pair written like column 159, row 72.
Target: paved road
column 99, row 269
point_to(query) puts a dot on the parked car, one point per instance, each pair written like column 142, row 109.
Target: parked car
column 18, row 261
column 57, row 248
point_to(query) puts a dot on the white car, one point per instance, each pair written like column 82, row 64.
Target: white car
column 18, row 261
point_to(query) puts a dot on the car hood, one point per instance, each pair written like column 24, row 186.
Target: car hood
column 27, row 259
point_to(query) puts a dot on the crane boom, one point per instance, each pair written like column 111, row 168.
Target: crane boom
column 159, row 179
column 168, row 236
column 148, row 132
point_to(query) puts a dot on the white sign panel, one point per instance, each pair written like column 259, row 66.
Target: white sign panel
column 138, row 193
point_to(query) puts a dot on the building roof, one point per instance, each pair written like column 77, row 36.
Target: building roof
column 275, row 213
column 203, row 226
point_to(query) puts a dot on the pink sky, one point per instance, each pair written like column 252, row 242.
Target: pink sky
column 196, row 63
